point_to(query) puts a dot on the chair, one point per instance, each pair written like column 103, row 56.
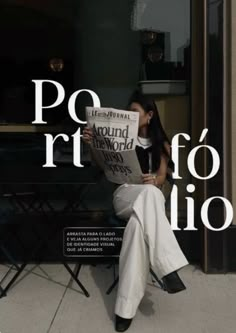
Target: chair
column 26, row 203
column 6, row 253
column 115, row 221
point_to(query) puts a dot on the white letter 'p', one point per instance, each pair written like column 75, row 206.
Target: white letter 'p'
column 39, row 99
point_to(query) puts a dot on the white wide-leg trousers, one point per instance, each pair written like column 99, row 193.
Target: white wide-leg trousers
column 148, row 241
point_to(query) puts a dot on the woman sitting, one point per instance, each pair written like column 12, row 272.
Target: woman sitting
column 148, row 238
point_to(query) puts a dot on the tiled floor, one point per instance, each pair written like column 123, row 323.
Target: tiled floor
column 45, row 301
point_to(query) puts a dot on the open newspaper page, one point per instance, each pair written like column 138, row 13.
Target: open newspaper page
column 114, row 140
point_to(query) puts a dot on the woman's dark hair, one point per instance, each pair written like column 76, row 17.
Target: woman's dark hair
column 155, row 129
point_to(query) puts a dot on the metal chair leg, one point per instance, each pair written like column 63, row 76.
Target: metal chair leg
column 158, row 280
column 4, row 290
column 109, row 290
column 152, row 273
column 75, row 277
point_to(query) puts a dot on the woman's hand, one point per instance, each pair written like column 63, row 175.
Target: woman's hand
column 87, row 135
column 149, row 179
column 160, row 177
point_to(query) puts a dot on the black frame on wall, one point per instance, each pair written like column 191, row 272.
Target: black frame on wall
column 220, row 246
column 211, row 108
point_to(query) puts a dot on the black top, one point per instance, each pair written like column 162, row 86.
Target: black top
column 143, row 157
column 143, row 149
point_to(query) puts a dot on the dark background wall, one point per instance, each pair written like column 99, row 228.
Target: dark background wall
column 94, row 38
column 109, row 51
column 99, row 49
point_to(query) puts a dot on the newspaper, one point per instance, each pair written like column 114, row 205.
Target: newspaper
column 113, row 146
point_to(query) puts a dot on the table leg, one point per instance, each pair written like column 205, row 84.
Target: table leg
column 75, row 278
column 4, row 290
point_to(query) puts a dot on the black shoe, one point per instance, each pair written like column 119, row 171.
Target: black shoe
column 172, row 283
column 122, row 324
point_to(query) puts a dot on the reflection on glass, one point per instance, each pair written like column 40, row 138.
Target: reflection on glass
column 56, row 64
column 149, row 37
